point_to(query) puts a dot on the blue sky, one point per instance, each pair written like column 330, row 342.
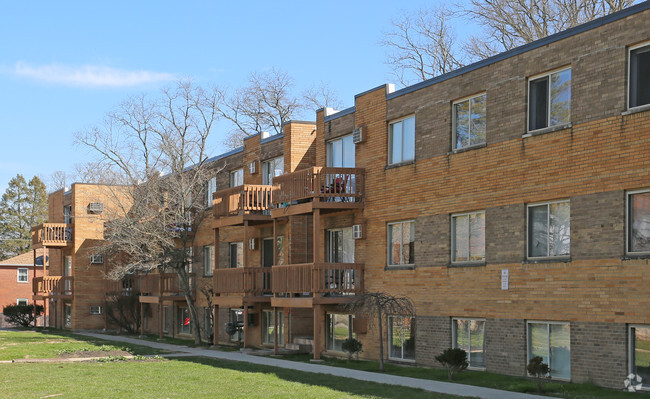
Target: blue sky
column 64, row 65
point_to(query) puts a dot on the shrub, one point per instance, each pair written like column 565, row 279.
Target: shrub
column 454, row 360
column 540, row 370
column 352, row 347
column 21, row 315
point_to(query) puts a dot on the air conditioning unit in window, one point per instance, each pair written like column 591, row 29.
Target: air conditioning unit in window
column 96, row 310
column 357, row 231
column 251, row 168
column 96, row 207
column 357, row 135
column 252, row 244
column 96, row 259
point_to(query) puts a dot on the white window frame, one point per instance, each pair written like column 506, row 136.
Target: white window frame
column 208, row 264
column 454, row 139
column 389, row 243
column 629, row 76
column 528, row 338
column 210, row 189
column 233, row 175
column 390, row 332
column 548, row 111
column 453, row 238
column 330, row 151
column 18, row 279
column 630, row 361
column 548, row 216
column 454, row 336
column 390, row 140
column 95, row 310
column 25, row 300
column 628, row 224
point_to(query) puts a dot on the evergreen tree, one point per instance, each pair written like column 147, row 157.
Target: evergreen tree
column 22, row 206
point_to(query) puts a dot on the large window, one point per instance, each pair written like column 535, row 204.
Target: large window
column 639, row 362
column 268, row 327
column 638, row 222
column 23, row 275
column 551, row 341
column 340, row 152
column 237, row 177
column 339, row 328
column 210, row 189
column 468, row 237
column 469, row 122
column 469, row 335
column 639, row 79
column 549, row 230
column 401, row 335
column 237, row 320
column 236, row 254
column 401, row 243
column 549, row 100
column 184, row 325
column 401, row 140
column 272, row 168
column 208, row 260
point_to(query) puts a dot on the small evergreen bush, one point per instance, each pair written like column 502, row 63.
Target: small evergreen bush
column 454, row 360
column 352, row 347
column 21, row 315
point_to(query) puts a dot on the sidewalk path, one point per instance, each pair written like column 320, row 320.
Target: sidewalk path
column 428, row 385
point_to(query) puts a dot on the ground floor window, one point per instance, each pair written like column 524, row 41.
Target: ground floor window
column 184, row 326
column 551, row 341
column 469, row 335
column 268, row 327
column 166, row 315
column 22, row 301
column 67, row 314
column 640, row 353
column 237, row 320
column 339, row 328
column 401, row 333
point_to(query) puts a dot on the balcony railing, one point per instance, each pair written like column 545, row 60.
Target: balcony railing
column 126, row 286
column 164, row 284
column 318, row 278
column 248, row 198
column 253, row 281
column 52, row 285
column 52, row 234
column 327, row 184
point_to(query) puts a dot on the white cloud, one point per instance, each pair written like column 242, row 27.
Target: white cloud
column 89, row 75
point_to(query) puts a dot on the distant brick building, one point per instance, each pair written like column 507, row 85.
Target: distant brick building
column 16, row 275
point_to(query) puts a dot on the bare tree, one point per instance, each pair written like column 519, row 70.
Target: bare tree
column 159, row 149
column 422, row 45
column 321, row 96
column 377, row 305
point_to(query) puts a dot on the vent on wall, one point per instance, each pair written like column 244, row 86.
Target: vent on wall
column 357, row 135
column 96, row 207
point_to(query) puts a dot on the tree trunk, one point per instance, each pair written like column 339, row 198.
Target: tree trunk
column 185, row 281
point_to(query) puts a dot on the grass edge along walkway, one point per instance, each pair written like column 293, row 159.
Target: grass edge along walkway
column 428, row 385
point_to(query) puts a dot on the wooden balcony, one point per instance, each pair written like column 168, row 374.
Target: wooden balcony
column 51, row 286
column 236, row 286
column 247, row 202
column 52, row 235
column 127, row 286
column 318, row 187
column 155, row 287
column 311, row 283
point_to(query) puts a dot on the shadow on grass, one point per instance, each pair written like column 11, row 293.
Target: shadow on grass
column 340, row 384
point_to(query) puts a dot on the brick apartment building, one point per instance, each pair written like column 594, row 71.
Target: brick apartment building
column 509, row 199
column 16, row 275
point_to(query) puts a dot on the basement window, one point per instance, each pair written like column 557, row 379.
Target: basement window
column 639, row 78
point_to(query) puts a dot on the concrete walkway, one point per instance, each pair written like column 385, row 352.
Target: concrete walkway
column 428, row 385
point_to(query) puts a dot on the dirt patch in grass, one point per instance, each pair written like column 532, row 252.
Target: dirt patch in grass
column 87, row 354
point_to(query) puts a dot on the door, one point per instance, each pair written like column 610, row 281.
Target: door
column 340, row 250
column 267, row 262
column 67, row 315
column 341, row 154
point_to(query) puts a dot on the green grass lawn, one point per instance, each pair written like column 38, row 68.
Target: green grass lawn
column 29, row 344
column 478, row 378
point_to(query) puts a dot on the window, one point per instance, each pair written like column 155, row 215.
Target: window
column 237, row 178
column 468, row 237
column 208, row 260
column 268, row 327
column 549, row 230
column 23, row 275
column 237, row 320
column 166, row 318
column 549, row 100
column 210, row 189
column 551, row 341
column 401, row 243
column 639, row 362
column 401, row 140
column 96, row 310
column 67, row 315
column 236, row 254
column 339, row 328
column 271, row 169
column 469, row 122
column 401, row 332
column 340, row 152
column 639, row 79
column 638, row 222
column 469, row 335
column 67, row 214
column 184, row 324
column 22, row 302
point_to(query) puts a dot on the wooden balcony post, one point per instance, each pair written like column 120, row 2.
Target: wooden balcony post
column 215, row 325
column 141, row 319
column 275, row 331
column 318, row 333
column 160, row 319
column 246, row 246
column 317, row 252
column 245, row 326
column 275, row 241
